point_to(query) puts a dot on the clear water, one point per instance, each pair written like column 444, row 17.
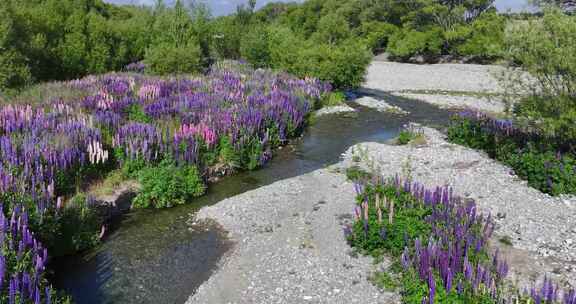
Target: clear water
column 158, row 257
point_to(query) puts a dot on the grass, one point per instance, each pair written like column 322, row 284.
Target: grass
column 109, row 184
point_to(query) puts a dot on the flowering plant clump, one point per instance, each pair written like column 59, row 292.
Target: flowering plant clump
column 547, row 163
column 440, row 241
column 136, row 67
column 23, row 262
column 233, row 117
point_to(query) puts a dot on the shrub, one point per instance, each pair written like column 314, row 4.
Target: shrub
column 165, row 58
column 72, row 228
column 333, row 99
column 255, row 47
column 377, row 34
column 344, row 66
column 545, row 48
column 406, row 43
column 332, row 29
column 410, row 133
column 227, row 38
column 485, row 38
column 168, row 185
column 540, row 160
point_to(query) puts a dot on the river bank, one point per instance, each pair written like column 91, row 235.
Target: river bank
column 289, row 246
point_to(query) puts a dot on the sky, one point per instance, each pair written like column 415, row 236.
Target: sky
column 223, row 7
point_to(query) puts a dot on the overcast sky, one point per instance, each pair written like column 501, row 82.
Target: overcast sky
column 223, row 7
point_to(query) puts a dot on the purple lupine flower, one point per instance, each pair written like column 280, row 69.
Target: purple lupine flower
column 432, row 287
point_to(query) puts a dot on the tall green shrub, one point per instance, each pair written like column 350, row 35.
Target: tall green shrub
column 255, row 46
column 545, row 48
column 168, row 185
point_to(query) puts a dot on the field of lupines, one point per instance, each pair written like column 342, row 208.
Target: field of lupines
column 547, row 163
column 230, row 119
column 439, row 243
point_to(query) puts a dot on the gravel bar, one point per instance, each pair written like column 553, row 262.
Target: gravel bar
column 289, row 246
column 539, row 230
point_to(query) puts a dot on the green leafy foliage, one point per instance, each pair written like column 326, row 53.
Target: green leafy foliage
column 383, row 236
column 164, row 59
column 255, row 47
column 72, row 228
column 168, row 185
column 377, row 34
column 537, row 160
column 404, row 137
column 545, row 48
column 485, row 37
column 333, row 99
column 407, row 43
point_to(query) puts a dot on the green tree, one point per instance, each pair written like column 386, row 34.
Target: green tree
column 332, row 29
column 99, row 53
column 14, row 71
column 255, row 46
column 174, row 47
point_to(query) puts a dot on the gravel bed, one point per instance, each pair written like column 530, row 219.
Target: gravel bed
column 459, row 79
column 344, row 108
column 536, row 232
column 289, row 246
column 394, row 76
column 484, row 104
column 379, row 105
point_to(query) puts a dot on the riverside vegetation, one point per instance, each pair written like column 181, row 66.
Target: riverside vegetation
column 332, row 40
column 438, row 243
column 181, row 114
column 537, row 137
column 171, row 134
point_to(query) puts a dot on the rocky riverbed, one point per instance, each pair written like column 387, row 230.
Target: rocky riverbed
column 457, row 86
column 288, row 240
column 289, row 246
column 536, row 232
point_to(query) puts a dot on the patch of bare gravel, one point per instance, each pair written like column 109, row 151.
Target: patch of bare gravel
column 289, row 246
column 343, row 108
column 380, row 105
column 465, row 82
column 485, row 104
column 394, row 76
column 541, row 228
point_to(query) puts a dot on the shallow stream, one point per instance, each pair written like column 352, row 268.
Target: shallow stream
column 159, row 257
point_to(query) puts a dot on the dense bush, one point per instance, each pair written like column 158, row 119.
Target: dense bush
column 164, row 59
column 406, row 43
column 63, row 39
column 255, row 47
column 168, row 185
column 544, row 162
column 376, row 34
column 545, row 48
column 484, row 37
